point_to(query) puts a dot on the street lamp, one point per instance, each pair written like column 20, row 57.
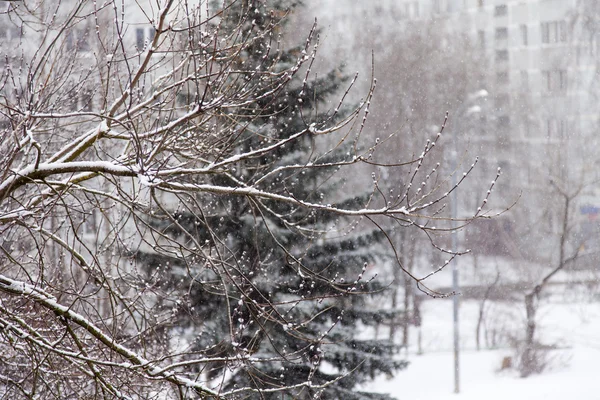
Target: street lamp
column 464, row 111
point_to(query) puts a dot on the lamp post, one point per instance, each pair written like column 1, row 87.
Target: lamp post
column 463, row 112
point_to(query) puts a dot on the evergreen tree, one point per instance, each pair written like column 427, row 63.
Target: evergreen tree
column 264, row 285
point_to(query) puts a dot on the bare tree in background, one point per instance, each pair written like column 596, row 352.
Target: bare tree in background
column 570, row 244
column 109, row 123
column 426, row 67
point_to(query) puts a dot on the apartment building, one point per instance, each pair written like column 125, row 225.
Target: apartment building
column 540, row 118
column 541, row 62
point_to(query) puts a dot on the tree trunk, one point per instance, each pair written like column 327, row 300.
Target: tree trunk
column 486, row 296
column 478, row 328
column 528, row 360
column 409, row 259
column 406, row 321
column 394, row 318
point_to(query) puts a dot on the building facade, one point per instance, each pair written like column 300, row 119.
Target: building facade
column 540, row 63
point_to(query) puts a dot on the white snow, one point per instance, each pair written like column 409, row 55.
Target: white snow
column 430, row 376
column 572, row 325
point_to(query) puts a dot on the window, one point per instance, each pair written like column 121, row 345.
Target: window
column 590, row 46
column 562, row 80
column 442, row 6
column 500, row 10
column 524, row 80
column 10, row 32
column 140, row 38
column 502, row 101
column 143, row 36
column 77, row 40
column 5, row 125
column 452, row 6
column 501, row 55
column 412, row 9
column 545, row 32
column 185, row 98
column 481, row 39
column 15, row 32
column 524, row 40
column 83, row 43
column 501, row 33
column 81, row 99
column 70, row 40
column 89, row 224
column 503, row 121
column 547, row 80
column 151, row 33
column 502, row 77
column 557, row 128
column 555, row 81
column 86, row 100
column 562, row 31
column 554, row 32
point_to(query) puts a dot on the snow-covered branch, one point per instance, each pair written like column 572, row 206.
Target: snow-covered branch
column 48, row 301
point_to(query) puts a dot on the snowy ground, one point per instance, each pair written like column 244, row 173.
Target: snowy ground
column 574, row 326
column 429, row 377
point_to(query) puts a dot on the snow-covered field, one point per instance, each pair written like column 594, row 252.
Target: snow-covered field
column 575, row 372
column 429, row 377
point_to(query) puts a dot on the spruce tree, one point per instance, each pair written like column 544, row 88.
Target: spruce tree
column 264, row 286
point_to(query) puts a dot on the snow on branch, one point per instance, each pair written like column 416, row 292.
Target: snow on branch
column 48, row 301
